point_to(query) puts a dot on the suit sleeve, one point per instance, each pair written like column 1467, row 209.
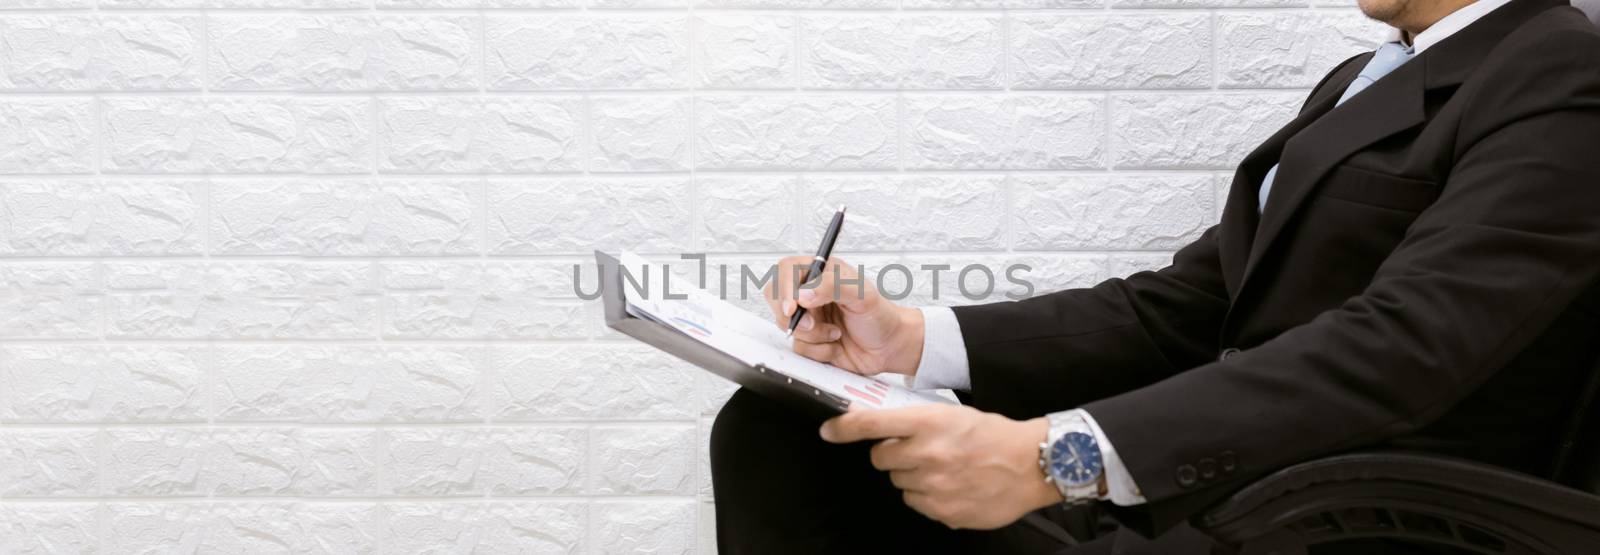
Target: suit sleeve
column 1511, row 241
column 1056, row 351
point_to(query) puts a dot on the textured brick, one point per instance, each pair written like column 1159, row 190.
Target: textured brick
column 998, row 132
column 593, row 381
column 1165, row 211
column 743, row 50
column 240, row 300
column 702, row 454
column 342, row 527
column 46, row 4
column 479, row 3
column 49, row 300
column 84, row 383
column 83, row 52
column 191, row 135
column 348, row 383
column 253, row 527
column 578, row 215
column 54, row 135
column 798, row 4
column 243, row 4
column 1289, row 48
column 644, row 460
column 884, row 51
column 1195, row 4
column 497, row 527
column 747, row 213
column 456, row 461
column 533, row 527
column 263, row 52
column 155, row 461
column 706, row 531
column 665, row 526
column 634, row 134
column 151, row 527
column 250, row 461
column 324, row 217
column 1195, row 130
column 975, row 4
column 49, row 529
column 532, row 461
column 572, row 52
column 116, row 217
column 795, row 132
column 912, row 213
column 424, row 52
column 451, row 135
column 1120, row 51
column 343, row 52
column 470, row 300
column 48, row 463
column 337, row 462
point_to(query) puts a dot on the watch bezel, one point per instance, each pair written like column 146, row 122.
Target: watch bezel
column 1060, row 450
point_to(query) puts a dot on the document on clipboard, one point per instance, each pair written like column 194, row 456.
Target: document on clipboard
column 703, row 329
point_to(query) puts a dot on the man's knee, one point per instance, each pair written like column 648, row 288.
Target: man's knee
column 755, row 432
column 750, row 423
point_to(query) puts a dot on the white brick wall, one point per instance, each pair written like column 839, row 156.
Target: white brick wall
column 293, row 275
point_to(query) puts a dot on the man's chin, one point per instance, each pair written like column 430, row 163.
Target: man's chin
column 1387, row 11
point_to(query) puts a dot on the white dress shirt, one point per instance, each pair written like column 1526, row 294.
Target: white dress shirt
column 944, row 354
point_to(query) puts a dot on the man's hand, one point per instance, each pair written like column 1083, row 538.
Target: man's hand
column 959, row 466
column 847, row 323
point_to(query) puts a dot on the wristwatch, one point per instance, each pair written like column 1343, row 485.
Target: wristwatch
column 1071, row 459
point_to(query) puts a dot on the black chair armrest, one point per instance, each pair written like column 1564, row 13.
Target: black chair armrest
column 1406, row 497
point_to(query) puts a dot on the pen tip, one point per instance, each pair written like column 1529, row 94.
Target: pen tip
column 841, row 209
column 789, row 333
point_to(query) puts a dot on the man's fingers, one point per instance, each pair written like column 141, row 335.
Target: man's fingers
column 923, row 503
column 818, row 332
column 820, row 352
column 874, row 424
column 782, row 286
column 839, row 284
column 893, row 454
column 908, row 480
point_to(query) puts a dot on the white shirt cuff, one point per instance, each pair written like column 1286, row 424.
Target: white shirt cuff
column 1120, row 489
column 944, row 353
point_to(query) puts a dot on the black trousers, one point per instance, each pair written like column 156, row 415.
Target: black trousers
column 780, row 489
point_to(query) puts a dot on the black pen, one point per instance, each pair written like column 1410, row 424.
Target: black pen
column 817, row 263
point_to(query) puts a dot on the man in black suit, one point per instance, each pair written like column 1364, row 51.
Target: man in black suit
column 1411, row 262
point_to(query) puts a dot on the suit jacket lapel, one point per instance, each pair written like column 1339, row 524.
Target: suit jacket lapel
column 1239, row 217
column 1389, row 106
column 1308, row 150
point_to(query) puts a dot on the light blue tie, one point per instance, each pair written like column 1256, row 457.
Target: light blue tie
column 1389, row 56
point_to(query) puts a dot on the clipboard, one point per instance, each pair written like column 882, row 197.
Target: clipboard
column 758, row 378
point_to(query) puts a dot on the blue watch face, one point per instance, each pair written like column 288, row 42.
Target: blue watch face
column 1075, row 459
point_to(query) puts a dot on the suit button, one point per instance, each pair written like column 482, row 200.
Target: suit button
column 1229, row 462
column 1208, row 468
column 1228, row 352
column 1186, row 476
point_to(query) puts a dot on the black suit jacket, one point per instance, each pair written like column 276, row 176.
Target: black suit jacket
column 1424, row 275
